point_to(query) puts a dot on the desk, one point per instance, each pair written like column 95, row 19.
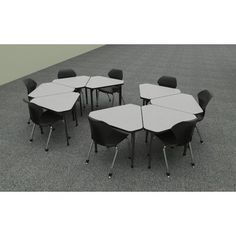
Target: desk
column 150, row 91
column 47, row 89
column 181, row 102
column 60, row 103
column 127, row 118
column 73, row 82
column 97, row 82
column 158, row 119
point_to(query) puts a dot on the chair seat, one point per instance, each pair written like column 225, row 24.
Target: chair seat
column 49, row 118
column 111, row 90
column 167, row 137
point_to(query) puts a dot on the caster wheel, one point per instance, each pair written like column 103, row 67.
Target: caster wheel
column 201, row 141
column 168, row 175
column 193, row 165
column 109, row 175
column 132, row 166
column 149, row 167
column 86, row 162
column 46, row 149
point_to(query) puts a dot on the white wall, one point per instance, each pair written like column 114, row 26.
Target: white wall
column 19, row 60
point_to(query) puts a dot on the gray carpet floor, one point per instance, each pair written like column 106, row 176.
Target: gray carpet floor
column 26, row 166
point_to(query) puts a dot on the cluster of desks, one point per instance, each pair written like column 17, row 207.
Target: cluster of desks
column 162, row 107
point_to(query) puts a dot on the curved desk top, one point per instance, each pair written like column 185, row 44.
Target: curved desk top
column 149, row 91
column 127, row 117
column 181, row 102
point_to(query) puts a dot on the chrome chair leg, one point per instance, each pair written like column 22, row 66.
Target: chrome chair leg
column 49, row 136
column 191, row 152
column 201, row 141
column 149, row 152
column 90, row 148
column 167, row 167
column 112, row 164
column 32, row 133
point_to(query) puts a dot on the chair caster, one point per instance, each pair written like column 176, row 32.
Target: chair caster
column 193, row 165
column 31, row 140
column 149, row 167
column 168, row 174
column 109, row 175
column 46, row 149
column 201, row 141
column 86, row 162
column 132, row 166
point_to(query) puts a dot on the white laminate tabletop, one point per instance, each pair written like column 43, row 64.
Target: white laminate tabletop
column 46, row 89
column 149, row 91
column 127, row 117
column 58, row 103
column 101, row 81
column 158, row 119
column 182, row 102
column 74, row 82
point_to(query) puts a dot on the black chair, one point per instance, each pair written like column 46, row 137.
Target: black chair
column 42, row 119
column 204, row 98
column 30, row 85
column 114, row 74
column 179, row 135
column 167, row 81
column 68, row 73
column 104, row 135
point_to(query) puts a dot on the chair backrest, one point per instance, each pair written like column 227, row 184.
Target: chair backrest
column 183, row 132
column 102, row 133
column 30, row 85
column 66, row 73
column 35, row 113
column 204, row 98
column 167, row 81
column 116, row 74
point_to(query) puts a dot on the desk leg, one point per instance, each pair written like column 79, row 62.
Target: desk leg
column 76, row 118
column 133, row 147
column 66, row 129
column 86, row 95
column 91, row 97
column 120, row 95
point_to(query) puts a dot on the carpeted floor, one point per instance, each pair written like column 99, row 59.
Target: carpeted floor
column 26, row 166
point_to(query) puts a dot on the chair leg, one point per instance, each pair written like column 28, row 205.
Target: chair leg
column 97, row 95
column 80, row 104
column 129, row 148
column 108, row 97
column 123, row 100
column 201, row 141
column 32, row 133
column 149, row 152
column 185, row 149
column 167, row 167
column 146, row 137
column 90, row 148
column 41, row 129
column 113, row 98
column 49, row 136
column 28, row 122
column 191, row 152
column 112, row 164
